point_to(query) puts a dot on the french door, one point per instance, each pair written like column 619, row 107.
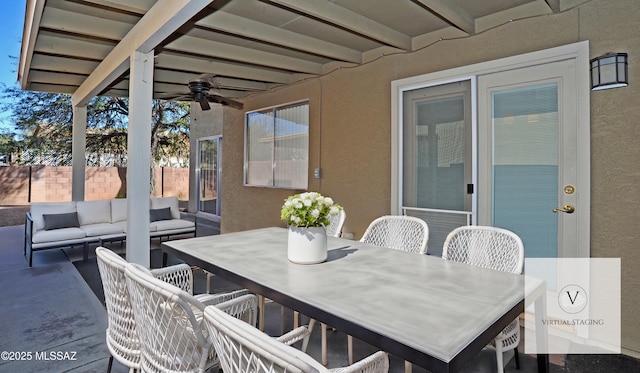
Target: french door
column 208, row 174
column 527, row 154
column 514, row 153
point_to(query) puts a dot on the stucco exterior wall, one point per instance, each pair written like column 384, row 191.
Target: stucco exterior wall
column 203, row 124
column 350, row 116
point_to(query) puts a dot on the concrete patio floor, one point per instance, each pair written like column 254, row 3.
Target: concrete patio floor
column 52, row 320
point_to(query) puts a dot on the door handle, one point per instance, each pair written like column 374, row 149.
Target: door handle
column 569, row 209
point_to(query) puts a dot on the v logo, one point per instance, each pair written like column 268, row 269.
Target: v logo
column 573, row 300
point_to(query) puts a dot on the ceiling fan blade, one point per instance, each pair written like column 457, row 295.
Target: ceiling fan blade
column 225, row 101
column 204, row 104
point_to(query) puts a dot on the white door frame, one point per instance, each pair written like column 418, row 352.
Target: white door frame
column 578, row 51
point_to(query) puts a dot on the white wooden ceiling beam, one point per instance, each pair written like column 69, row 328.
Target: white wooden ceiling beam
column 56, row 78
column 63, row 64
column 58, row 19
column 334, row 14
column 59, row 45
column 42, row 87
column 452, row 13
column 34, row 10
column 178, row 77
column 231, row 52
column 162, row 20
column 244, row 27
column 133, row 6
column 173, row 61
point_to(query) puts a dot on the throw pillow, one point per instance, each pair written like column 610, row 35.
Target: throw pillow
column 59, row 221
column 160, row 214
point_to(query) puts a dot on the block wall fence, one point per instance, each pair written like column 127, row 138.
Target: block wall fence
column 21, row 185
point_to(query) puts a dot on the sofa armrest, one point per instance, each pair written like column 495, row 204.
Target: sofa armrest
column 28, row 232
column 28, row 226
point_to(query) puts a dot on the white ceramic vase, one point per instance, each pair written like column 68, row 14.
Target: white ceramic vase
column 307, row 245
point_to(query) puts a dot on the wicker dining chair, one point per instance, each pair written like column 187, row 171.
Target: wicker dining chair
column 168, row 322
column 406, row 233
column 334, row 229
column 493, row 248
column 243, row 349
column 121, row 337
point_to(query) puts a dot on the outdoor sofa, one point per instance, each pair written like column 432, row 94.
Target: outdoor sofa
column 65, row 224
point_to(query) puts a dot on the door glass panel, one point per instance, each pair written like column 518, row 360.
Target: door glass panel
column 436, row 166
column 208, row 177
column 525, row 165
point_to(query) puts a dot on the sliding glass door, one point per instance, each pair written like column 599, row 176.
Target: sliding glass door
column 208, row 174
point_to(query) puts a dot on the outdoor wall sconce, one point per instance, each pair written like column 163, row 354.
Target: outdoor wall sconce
column 609, row 71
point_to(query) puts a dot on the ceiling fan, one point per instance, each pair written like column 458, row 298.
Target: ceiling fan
column 199, row 90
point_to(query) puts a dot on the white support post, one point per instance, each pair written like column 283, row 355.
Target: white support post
column 78, row 152
column 139, row 158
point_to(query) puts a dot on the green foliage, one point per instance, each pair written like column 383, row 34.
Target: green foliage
column 308, row 209
column 44, row 123
column 8, row 143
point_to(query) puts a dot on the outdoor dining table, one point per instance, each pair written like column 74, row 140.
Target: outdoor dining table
column 434, row 313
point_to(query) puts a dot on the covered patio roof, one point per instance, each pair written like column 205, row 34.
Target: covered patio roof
column 82, row 47
column 143, row 49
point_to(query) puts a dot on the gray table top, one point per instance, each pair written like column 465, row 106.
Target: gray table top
column 436, row 313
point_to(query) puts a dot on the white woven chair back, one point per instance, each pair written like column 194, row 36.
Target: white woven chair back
column 487, row 247
column 169, row 323
column 406, row 233
column 335, row 224
column 243, row 349
column 122, row 339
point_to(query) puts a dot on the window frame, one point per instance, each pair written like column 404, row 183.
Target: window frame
column 272, row 110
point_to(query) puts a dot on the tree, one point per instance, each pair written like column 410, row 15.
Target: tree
column 44, row 123
column 8, row 145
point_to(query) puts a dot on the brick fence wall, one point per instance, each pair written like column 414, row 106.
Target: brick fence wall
column 20, row 185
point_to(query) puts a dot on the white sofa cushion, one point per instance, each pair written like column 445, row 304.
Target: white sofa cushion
column 166, row 225
column 118, row 210
column 39, row 209
column 123, row 226
column 101, row 229
column 162, row 202
column 62, row 234
column 94, row 212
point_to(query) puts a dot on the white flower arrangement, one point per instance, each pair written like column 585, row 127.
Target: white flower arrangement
column 308, row 209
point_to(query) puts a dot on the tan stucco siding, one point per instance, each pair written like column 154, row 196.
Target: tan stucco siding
column 350, row 117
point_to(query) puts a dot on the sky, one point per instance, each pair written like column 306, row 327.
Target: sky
column 11, row 25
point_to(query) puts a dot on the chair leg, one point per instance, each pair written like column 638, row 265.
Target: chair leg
column 209, row 277
column 305, row 341
column 296, row 319
column 110, row 364
column 517, row 357
column 350, row 348
column 261, row 312
column 408, row 367
column 499, row 357
column 324, row 343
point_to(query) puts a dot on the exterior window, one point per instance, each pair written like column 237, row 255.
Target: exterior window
column 277, row 147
